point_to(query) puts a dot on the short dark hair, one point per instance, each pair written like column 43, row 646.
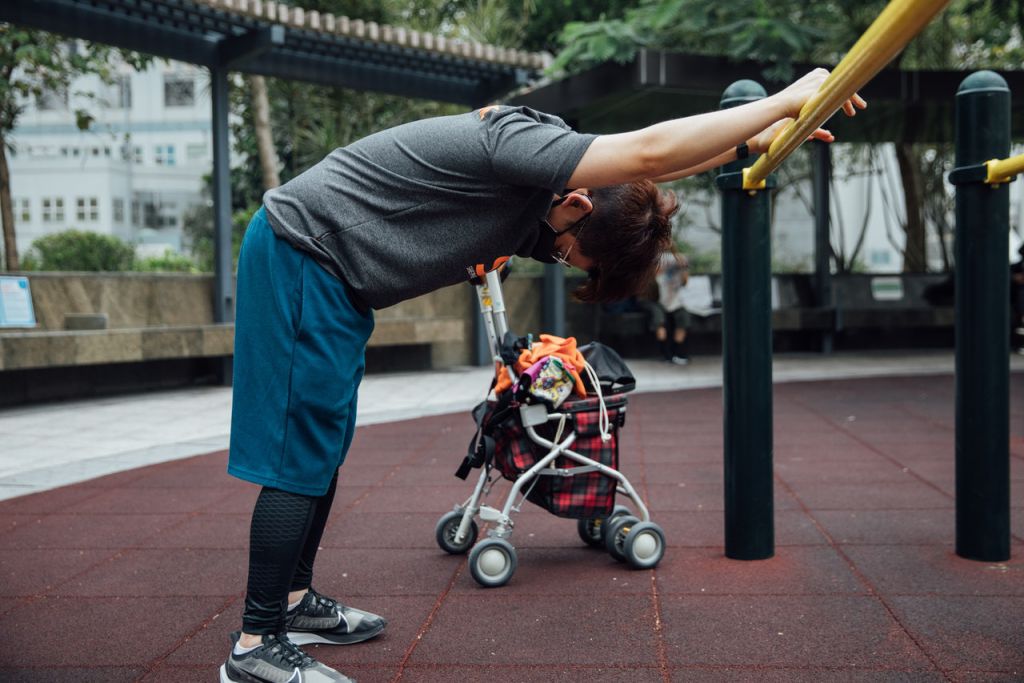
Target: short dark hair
column 629, row 229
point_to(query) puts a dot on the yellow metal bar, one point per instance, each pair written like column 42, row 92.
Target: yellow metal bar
column 898, row 23
column 752, row 186
column 1004, row 170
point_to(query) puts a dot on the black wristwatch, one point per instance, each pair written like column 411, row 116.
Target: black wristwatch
column 742, row 151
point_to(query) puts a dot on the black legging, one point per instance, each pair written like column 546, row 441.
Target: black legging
column 283, row 540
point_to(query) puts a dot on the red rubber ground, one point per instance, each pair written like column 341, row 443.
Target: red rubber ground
column 139, row 575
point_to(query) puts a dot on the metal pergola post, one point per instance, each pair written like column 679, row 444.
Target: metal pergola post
column 982, row 323
column 224, row 302
column 821, row 157
column 746, row 353
column 230, row 54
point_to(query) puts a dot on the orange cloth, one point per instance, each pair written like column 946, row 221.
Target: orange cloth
column 549, row 345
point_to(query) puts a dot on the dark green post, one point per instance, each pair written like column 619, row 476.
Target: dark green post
column 746, row 355
column 982, row 321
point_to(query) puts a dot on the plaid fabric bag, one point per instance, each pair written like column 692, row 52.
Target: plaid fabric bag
column 583, row 496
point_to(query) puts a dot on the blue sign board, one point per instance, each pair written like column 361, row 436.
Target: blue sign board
column 16, row 302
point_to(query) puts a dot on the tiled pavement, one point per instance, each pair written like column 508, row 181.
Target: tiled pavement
column 138, row 575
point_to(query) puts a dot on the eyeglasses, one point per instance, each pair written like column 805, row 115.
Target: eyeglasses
column 564, row 258
column 577, row 226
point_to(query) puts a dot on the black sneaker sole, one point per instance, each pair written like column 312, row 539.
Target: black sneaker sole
column 301, row 638
column 243, row 677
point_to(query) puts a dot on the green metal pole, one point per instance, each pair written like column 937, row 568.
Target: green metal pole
column 982, row 323
column 224, row 276
column 746, row 355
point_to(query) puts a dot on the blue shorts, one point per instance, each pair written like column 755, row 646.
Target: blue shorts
column 299, row 357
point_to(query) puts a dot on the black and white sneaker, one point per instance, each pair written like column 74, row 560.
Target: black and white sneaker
column 319, row 619
column 276, row 660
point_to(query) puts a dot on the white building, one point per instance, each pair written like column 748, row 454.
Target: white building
column 136, row 170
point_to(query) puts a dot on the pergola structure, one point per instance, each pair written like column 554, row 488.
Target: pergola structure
column 903, row 106
column 271, row 39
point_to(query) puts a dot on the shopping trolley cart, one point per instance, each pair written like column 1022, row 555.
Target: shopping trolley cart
column 563, row 458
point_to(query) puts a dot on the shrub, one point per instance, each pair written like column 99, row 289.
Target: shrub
column 73, row 250
column 169, row 262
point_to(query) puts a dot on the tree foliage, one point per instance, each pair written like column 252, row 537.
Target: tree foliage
column 969, row 34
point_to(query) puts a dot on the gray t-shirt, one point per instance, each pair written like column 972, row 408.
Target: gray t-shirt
column 417, row 207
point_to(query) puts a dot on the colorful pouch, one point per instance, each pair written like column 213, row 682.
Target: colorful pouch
column 547, row 380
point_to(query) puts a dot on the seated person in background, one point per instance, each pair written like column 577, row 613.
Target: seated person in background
column 665, row 305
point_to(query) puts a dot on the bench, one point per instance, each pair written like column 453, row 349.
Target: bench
column 65, row 348
column 869, row 311
column 103, row 332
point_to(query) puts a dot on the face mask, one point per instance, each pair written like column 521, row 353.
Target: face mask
column 545, row 246
column 544, row 249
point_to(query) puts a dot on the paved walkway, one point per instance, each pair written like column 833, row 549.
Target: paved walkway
column 138, row 575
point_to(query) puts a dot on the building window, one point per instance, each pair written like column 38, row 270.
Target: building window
column 166, row 214
column 118, row 210
column 121, row 92
column 195, row 152
column 880, row 257
column 88, row 209
column 53, row 210
column 138, row 155
column 24, row 210
column 52, row 100
column 164, row 155
column 136, row 213
column 179, row 91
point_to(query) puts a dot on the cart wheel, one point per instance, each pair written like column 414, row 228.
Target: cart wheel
column 590, row 531
column 644, row 545
column 617, row 511
column 492, row 562
column 446, row 529
column 615, row 535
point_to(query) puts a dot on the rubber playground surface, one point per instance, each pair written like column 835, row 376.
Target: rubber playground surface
column 139, row 575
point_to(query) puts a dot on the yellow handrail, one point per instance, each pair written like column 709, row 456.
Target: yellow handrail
column 1004, row 170
column 898, row 23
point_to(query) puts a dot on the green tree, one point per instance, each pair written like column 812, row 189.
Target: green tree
column 33, row 64
column 776, row 31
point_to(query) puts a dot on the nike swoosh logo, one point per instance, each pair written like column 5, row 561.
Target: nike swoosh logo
column 296, row 677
